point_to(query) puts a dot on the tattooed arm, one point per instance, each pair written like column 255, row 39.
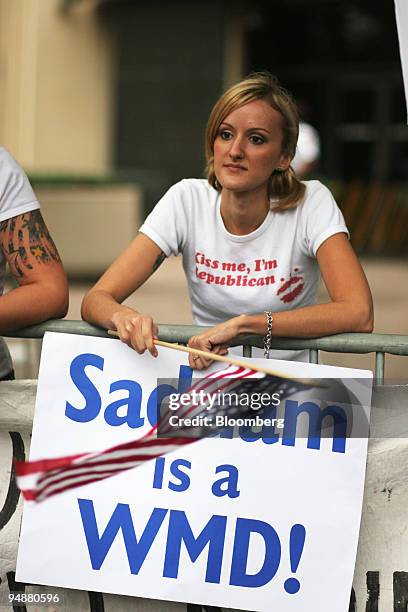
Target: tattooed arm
column 103, row 303
column 42, row 291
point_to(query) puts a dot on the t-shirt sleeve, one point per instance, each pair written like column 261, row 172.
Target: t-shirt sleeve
column 167, row 224
column 320, row 218
column 16, row 194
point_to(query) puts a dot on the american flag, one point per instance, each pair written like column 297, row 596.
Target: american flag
column 44, row 478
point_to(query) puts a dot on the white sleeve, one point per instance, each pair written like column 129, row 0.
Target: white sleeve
column 320, row 218
column 167, row 224
column 16, row 194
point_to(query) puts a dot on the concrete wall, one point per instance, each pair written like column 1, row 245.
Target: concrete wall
column 91, row 225
column 56, row 85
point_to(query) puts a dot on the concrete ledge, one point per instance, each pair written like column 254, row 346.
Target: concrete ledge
column 91, row 225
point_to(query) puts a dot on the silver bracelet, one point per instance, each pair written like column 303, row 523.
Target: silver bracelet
column 268, row 335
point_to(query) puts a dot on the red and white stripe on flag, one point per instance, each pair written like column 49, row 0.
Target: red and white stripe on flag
column 43, row 478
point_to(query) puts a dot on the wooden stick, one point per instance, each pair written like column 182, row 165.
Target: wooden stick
column 214, row 356
column 230, row 360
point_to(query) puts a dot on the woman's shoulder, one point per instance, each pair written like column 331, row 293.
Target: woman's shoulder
column 319, row 214
column 315, row 188
column 316, row 194
column 196, row 185
column 317, row 197
column 192, row 193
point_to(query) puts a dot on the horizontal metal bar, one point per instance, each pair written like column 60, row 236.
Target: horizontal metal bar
column 62, row 326
column 339, row 343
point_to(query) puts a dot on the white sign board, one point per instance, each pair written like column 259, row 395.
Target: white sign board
column 265, row 524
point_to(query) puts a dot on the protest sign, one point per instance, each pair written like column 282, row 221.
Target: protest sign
column 250, row 522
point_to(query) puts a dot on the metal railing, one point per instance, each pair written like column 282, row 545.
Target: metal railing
column 380, row 344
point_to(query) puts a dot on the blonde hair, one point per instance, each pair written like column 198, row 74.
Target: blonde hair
column 284, row 186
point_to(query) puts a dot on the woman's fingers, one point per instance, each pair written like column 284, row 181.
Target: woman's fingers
column 198, row 362
column 137, row 331
column 195, row 362
column 220, row 349
column 147, row 328
column 125, row 330
column 204, row 343
column 142, row 335
column 136, row 338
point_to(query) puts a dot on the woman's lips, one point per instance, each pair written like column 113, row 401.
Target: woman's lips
column 235, row 169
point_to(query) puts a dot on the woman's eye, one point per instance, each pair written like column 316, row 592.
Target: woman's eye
column 225, row 134
column 256, row 139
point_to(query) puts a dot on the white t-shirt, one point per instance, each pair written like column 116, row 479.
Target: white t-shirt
column 16, row 198
column 273, row 268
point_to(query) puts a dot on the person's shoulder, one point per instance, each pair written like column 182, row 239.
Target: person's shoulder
column 5, row 155
column 196, row 185
column 315, row 190
column 16, row 194
column 7, row 161
column 193, row 190
column 314, row 186
column 317, row 199
column 189, row 195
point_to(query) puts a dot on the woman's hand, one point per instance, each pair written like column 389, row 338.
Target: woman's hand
column 215, row 340
column 136, row 330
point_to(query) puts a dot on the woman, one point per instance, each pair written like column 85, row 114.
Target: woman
column 27, row 247
column 253, row 239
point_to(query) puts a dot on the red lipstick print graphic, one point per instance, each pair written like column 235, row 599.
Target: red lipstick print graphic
column 291, row 288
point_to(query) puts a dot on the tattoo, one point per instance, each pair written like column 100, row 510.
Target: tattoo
column 159, row 261
column 25, row 240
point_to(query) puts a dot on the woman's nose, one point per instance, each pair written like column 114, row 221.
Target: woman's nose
column 236, row 150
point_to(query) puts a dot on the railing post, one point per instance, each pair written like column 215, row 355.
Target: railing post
column 379, row 367
column 313, row 356
column 247, row 350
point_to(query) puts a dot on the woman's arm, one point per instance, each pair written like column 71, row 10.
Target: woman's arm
column 350, row 309
column 102, row 305
column 35, row 264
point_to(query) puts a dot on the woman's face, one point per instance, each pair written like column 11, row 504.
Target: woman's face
column 248, row 147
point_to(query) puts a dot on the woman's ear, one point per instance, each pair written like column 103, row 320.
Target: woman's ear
column 284, row 163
